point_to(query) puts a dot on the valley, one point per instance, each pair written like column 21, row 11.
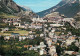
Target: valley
column 52, row 32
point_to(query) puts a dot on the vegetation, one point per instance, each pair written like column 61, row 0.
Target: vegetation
column 14, row 47
column 5, row 15
column 72, row 29
column 72, row 47
column 3, row 25
column 58, row 48
column 21, row 32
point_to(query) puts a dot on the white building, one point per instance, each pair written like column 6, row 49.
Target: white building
column 16, row 24
column 42, row 51
column 51, row 35
column 69, row 42
column 49, row 42
column 6, row 37
column 22, row 38
column 5, row 29
column 37, row 20
column 55, row 25
column 41, row 35
column 69, row 52
column 42, row 45
column 68, row 19
column 52, row 50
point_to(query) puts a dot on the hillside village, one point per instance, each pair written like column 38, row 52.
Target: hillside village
column 52, row 32
column 48, row 36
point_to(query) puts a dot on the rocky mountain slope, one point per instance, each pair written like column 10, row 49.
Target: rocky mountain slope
column 10, row 7
column 67, row 7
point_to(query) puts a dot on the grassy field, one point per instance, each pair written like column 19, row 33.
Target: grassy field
column 4, row 15
column 5, row 33
column 57, row 33
column 3, row 24
column 21, row 32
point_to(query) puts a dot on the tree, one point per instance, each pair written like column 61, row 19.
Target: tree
column 73, row 47
column 30, row 53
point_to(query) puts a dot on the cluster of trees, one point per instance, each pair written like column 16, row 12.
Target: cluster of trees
column 18, row 52
column 10, row 48
column 72, row 29
column 73, row 47
column 60, row 50
column 38, row 31
column 35, row 41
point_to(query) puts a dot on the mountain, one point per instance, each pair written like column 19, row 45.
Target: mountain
column 67, row 7
column 11, row 8
column 25, row 8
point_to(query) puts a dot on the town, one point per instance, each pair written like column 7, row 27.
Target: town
column 52, row 35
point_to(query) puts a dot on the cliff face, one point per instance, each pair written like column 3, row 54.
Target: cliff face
column 9, row 6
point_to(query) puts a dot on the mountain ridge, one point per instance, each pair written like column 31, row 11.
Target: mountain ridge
column 9, row 6
column 62, row 6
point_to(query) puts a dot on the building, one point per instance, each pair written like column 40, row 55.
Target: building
column 69, row 52
column 68, row 19
column 22, row 38
column 7, row 38
column 55, row 25
column 17, row 24
column 52, row 50
column 42, row 45
column 42, row 51
column 5, row 29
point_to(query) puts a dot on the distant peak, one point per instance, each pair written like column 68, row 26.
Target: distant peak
column 69, row 1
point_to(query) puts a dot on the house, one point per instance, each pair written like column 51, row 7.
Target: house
column 77, row 55
column 28, row 46
column 7, row 38
column 51, row 34
column 4, row 20
column 54, row 40
column 33, row 48
column 42, row 45
column 49, row 42
column 22, row 38
column 31, row 36
column 37, row 20
column 30, row 32
column 68, row 19
column 55, row 25
column 53, row 30
column 36, row 26
column 55, row 54
column 69, row 42
column 5, row 29
column 52, row 50
column 23, row 26
column 17, row 24
column 41, row 35
column 68, row 52
column 42, row 51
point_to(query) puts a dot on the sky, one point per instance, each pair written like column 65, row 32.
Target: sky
column 38, row 5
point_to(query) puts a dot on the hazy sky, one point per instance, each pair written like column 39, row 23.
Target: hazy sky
column 38, row 5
